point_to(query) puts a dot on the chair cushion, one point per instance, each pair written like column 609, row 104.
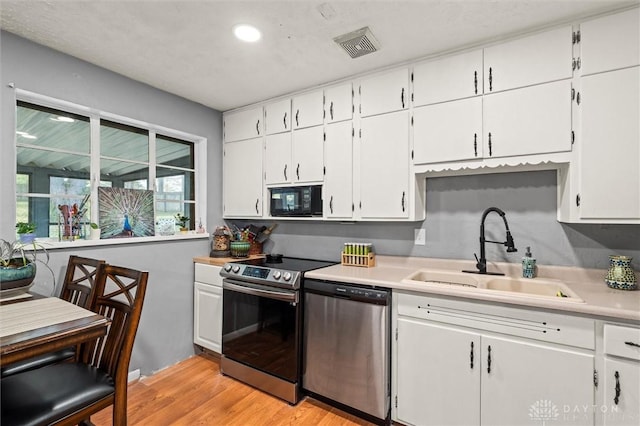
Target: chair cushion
column 49, row 393
column 37, row 362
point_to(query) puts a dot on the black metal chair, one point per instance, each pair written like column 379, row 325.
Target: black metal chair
column 69, row 393
column 78, row 288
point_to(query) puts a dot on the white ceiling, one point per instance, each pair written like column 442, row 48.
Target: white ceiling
column 186, row 47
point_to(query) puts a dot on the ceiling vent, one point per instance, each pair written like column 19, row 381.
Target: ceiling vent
column 358, row 43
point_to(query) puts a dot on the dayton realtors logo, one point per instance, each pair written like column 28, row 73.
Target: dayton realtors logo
column 543, row 411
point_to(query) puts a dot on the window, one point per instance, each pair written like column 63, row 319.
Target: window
column 57, row 161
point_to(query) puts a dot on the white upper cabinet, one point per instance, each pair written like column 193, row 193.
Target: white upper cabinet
column 277, row 158
column 448, row 131
column 337, row 192
column 338, row 103
column 242, row 178
column 532, row 120
column 611, row 42
column 307, row 155
column 383, row 93
column 277, row 117
column 530, row 60
column 308, row 110
column 446, row 79
column 245, row 124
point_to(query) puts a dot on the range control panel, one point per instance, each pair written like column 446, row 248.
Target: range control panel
column 261, row 275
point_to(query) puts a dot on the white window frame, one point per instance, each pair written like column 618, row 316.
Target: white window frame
column 94, row 115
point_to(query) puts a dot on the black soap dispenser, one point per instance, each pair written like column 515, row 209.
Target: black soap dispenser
column 528, row 265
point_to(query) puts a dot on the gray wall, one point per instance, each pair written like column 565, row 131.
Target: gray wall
column 165, row 334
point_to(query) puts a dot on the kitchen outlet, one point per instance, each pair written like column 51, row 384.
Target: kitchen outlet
column 420, row 236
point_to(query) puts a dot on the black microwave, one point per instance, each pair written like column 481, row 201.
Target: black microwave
column 296, row 201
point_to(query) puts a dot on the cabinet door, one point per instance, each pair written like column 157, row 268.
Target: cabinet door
column 525, row 382
column 538, row 58
column 277, row 117
column 621, row 392
column 307, row 155
column 242, row 125
column 610, row 42
column 384, row 166
column 308, row 110
column 242, row 178
column 338, row 103
column 533, row 120
column 448, row 131
column 384, row 93
column 338, row 179
column 610, row 148
column 207, row 316
column 438, row 379
column 447, row 79
column 277, row 159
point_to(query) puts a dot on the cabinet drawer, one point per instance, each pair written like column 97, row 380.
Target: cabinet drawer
column 540, row 325
column 208, row 274
column 622, row 341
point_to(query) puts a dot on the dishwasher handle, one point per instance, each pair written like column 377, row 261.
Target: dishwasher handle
column 362, row 294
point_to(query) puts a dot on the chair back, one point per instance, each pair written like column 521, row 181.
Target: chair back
column 79, row 285
column 120, row 295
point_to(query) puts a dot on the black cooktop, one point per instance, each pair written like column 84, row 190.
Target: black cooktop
column 288, row 263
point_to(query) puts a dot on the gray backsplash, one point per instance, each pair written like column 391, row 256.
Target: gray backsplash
column 454, row 209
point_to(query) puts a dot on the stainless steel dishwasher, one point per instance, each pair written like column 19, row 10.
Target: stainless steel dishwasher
column 346, row 352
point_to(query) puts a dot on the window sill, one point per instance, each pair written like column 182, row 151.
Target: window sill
column 51, row 244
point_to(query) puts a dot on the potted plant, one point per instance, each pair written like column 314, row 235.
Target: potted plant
column 182, row 221
column 18, row 265
column 26, row 231
column 94, row 232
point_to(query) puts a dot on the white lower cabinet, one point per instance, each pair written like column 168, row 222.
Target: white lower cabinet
column 465, row 363
column 207, row 307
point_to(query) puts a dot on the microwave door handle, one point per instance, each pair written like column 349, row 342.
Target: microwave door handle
column 270, row 294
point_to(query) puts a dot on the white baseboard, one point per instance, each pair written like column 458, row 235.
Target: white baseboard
column 133, row 375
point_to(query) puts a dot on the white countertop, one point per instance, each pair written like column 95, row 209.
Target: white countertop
column 588, row 284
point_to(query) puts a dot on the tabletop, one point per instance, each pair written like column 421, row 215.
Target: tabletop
column 36, row 326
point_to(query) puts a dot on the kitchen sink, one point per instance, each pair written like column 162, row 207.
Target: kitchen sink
column 519, row 287
column 444, row 278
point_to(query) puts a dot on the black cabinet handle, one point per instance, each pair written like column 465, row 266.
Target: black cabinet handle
column 258, row 127
column 257, row 201
column 632, row 344
column 475, row 144
column 284, row 120
column 578, row 200
column 471, row 355
column 331, row 110
column 490, row 148
column 297, row 114
column 285, row 172
column 402, row 97
column 617, row 397
column 475, row 81
column 331, row 204
column 490, row 79
column 298, row 172
column 489, row 359
column 402, row 202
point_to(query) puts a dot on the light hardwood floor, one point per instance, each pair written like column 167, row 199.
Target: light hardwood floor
column 193, row 392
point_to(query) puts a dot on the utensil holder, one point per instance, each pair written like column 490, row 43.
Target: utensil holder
column 365, row 260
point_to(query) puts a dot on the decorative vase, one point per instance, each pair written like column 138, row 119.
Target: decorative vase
column 27, row 238
column 620, row 274
column 94, row 233
column 16, row 276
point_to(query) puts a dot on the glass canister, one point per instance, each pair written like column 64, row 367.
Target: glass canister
column 220, row 243
column 620, row 274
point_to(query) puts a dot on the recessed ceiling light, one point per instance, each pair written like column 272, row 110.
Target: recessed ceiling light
column 246, row 33
column 28, row 136
column 63, row 119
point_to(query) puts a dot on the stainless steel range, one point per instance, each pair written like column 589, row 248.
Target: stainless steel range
column 262, row 323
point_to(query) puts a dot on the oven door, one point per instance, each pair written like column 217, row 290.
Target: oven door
column 260, row 327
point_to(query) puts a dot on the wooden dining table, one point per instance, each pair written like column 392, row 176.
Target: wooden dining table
column 35, row 325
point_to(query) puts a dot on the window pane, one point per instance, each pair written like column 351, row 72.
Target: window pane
column 126, row 142
column 22, row 209
column 22, row 183
column 51, row 128
column 174, row 152
column 43, row 163
column 119, row 172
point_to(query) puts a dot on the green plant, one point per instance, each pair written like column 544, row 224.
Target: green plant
column 25, row 227
column 182, row 220
column 94, row 225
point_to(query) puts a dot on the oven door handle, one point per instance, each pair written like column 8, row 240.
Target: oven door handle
column 260, row 292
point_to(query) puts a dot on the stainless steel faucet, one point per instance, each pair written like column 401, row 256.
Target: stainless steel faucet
column 482, row 262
